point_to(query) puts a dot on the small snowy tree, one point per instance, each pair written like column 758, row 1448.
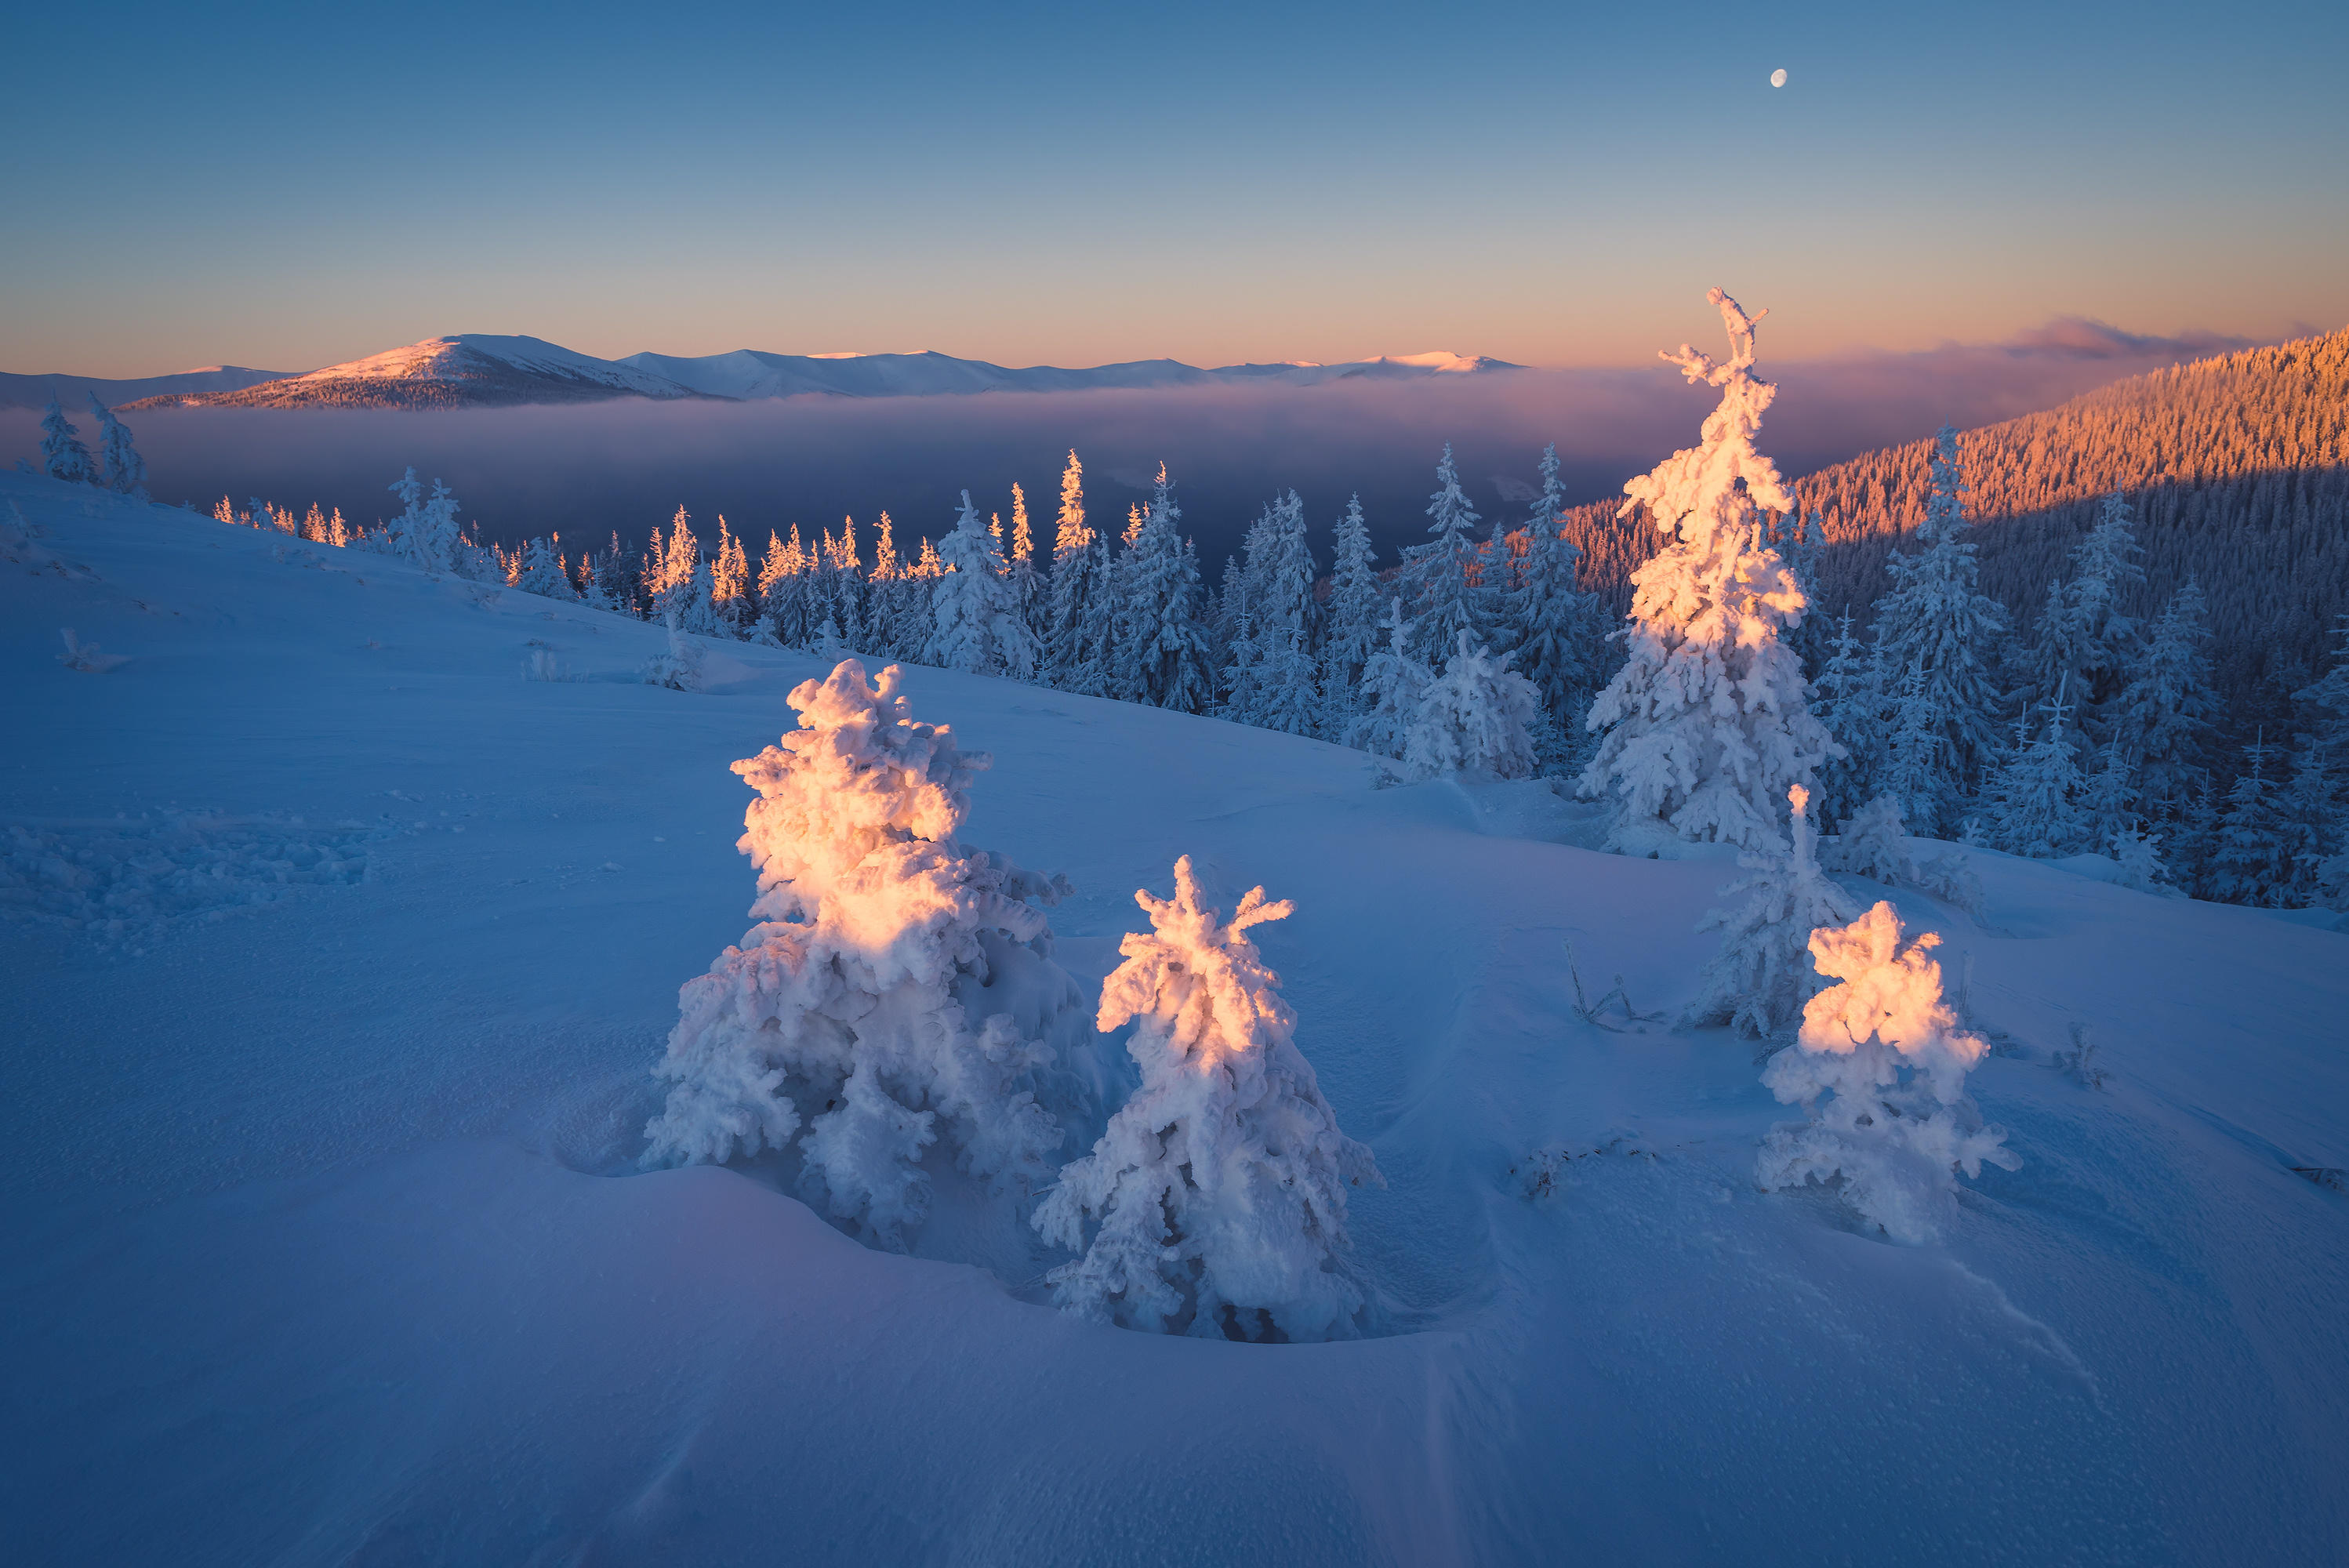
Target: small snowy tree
column 63, row 456
column 678, row 665
column 1218, row 1191
column 1708, row 722
column 1881, row 1066
column 1474, row 718
column 542, row 572
column 899, row 986
column 120, row 467
column 1762, row 977
column 2139, row 855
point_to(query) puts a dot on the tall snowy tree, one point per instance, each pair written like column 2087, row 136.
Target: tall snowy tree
column 1762, row 977
column 2084, row 643
column 2251, row 859
column 1851, row 705
column 1356, row 601
column 1217, row 1198
column 2036, row 793
column 1163, row 641
column 1708, row 723
column 2165, row 714
column 1443, row 577
column 1075, row 599
column 63, row 456
column 1544, row 618
column 1393, row 684
column 1938, row 622
column 897, row 994
column 975, row 621
column 120, row 467
column 542, row 574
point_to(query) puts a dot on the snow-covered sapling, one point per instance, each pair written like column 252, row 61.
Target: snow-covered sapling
column 898, row 992
column 1881, row 1067
column 678, row 666
column 81, row 656
column 1762, row 977
column 1473, row 718
column 1219, row 1189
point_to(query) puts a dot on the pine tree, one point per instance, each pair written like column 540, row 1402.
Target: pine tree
column 1886, row 1050
column 1762, row 977
column 974, row 624
column 1543, row 616
column 1163, row 643
column 2083, row 643
column 897, row 995
column 1292, row 688
column 1243, row 661
column 2035, row 801
column 729, row 587
column 2249, row 858
column 1475, row 718
column 63, row 456
column 1442, row 578
column 1914, row 769
column 2108, row 800
column 120, row 467
column 1393, row 684
column 541, row 573
column 1937, row 622
column 1355, row 604
column 1218, row 1192
column 1851, row 706
column 2164, row 712
column 1071, row 633
column 1708, row 723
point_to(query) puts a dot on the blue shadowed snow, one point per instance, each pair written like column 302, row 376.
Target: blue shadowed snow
column 335, row 954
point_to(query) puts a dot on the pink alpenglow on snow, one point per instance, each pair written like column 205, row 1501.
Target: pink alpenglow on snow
column 1897, row 1125
column 1708, row 720
column 896, row 979
column 1219, row 1188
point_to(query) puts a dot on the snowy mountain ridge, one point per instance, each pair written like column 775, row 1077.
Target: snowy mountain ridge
column 483, row 369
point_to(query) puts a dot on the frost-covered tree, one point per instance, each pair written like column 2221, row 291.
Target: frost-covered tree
column 1914, row 764
column 120, row 467
column 1444, row 578
column 2035, row 795
column 1849, row 700
column 1392, row 684
column 2108, row 796
column 1243, row 661
column 542, row 572
column 1163, row 641
column 1075, row 600
column 1544, row 618
column 1217, row 1196
column 974, row 620
column 677, row 663
column 898, row 994
column 1880, row 1066
column 1761, row 978
column 2251, row 861
column 2083, row 643
column 1474, row 718
column 428, row 530
column 2164, row 712
column 1708, row 723
column 63, row 456
column 2139, row 855
column 1289, row 688
column 1356, row 601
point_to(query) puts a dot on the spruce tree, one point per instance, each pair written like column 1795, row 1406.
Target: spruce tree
column 120, row 467
column 2249, row 859
column 2084, row 643
column 63, row 456
column 1355, row 605
column 1708, row 724
column 1851, row 705
column 1544, row 618
column 1442, row 577
column 2037, row 792
column 2165, row 714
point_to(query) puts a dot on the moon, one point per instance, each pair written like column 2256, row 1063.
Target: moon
column 1778, row 77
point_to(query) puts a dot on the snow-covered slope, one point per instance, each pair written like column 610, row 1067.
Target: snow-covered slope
column 468, row 370
column 325, row 1238
column 749, row 373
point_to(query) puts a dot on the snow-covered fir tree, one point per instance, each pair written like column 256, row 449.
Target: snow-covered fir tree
column 2083, row 643
column 1356, row 602
column 1544, row 618
column 2137, row 853
column 975, row 622
column 2108, row 796
column 1444, row 578
column 541, row 573
column 120, row 467
column 1393, row 682
column 677, row 663
column 1243, row 660
column 1217, row 1198
column 1163, row 641
column 1850, row 701
column 1937, row 622
column 431, row 537
column 1029, row 592
column 2035, row 797
column 2251, row 859
column 899, row 995
column 1708, row 722
column 1291, row 686
column 1762, row 977
column 1073, row 600
column 1475, row 718
column 1880, row 1066
column 63, row 456
column 2164, row 712
column 1913, row 763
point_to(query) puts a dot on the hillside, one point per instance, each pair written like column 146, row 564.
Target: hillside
column 471, row 370
column 2237, row 467
column 33, row 391
column 335, row 954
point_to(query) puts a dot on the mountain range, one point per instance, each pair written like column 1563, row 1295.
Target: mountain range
column 489, row 370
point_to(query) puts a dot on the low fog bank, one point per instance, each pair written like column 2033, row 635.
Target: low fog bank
column 588, row 471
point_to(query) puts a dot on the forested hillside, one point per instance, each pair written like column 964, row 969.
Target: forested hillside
column 2238, row 467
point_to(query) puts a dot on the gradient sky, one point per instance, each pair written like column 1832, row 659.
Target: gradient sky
column 290, row 186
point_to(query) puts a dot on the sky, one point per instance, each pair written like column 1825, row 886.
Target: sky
column 286, row 187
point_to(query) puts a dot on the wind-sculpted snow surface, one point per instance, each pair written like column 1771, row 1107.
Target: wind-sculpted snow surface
column 1708, row 719
column 880, row 936
column 129, row 880
column 1219, row 1189
column 1887, row 1052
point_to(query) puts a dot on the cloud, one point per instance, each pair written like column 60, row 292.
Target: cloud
column 2081, row 337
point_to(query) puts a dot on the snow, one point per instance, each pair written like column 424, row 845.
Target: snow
column 325, row 1238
